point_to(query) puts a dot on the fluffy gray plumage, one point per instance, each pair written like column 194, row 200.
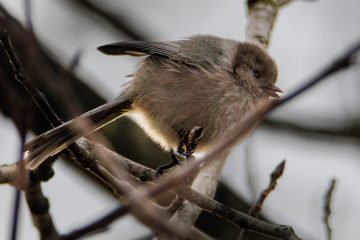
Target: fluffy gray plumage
column 202, row 81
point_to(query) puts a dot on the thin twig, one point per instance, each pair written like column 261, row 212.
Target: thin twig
column 275, row 175
column 20, row 179
column 22, row 129
column 15, row 215
column 327, row 209
column 40, row 100
column 21, row 76
column 256, row 208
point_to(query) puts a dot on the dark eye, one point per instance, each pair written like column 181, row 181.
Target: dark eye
column 256, row 74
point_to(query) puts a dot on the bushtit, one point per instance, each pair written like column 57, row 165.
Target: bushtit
column 204, row 81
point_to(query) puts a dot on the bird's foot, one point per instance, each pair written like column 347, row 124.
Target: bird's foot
column 189, row 141
column 187, row 145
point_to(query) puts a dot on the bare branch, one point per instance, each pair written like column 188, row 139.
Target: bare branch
column 256, row 208
column 22, row 76
column 145, row 174
column 262, row 15
column 275, row 175
column 261, row 18
column 327, row 208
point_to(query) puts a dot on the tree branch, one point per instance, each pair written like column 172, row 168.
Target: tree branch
column 205, row 184
column 261, row 18
column 206, row 203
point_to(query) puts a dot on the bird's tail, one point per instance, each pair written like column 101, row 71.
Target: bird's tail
column 55, row 140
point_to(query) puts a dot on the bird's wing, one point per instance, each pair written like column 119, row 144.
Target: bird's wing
column 140, row 48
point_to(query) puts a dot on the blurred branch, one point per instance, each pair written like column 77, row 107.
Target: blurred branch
column 39, row 98
column 258, row 205
column 327, row 208
column 352, row 131
column 23, row 77
column 44, row 70
column 20, row 179
column 119, row 22
column 47, row 73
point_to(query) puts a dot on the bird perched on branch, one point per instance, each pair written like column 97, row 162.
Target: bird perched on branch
column 203, row 81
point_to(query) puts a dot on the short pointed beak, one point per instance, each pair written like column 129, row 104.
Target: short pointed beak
column 272, row 90
column 276, row 89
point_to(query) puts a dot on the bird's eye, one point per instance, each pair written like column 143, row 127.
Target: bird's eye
column 256, row 74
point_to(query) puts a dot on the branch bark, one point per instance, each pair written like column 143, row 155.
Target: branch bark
column 261, row 18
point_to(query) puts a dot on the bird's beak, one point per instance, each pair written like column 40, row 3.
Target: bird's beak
column 272, row 90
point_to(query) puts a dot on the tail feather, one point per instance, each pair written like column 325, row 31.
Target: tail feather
column 55, row 140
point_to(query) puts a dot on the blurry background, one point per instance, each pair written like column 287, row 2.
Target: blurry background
column 318, row 133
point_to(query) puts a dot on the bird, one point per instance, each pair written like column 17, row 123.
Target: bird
column 201, row 82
